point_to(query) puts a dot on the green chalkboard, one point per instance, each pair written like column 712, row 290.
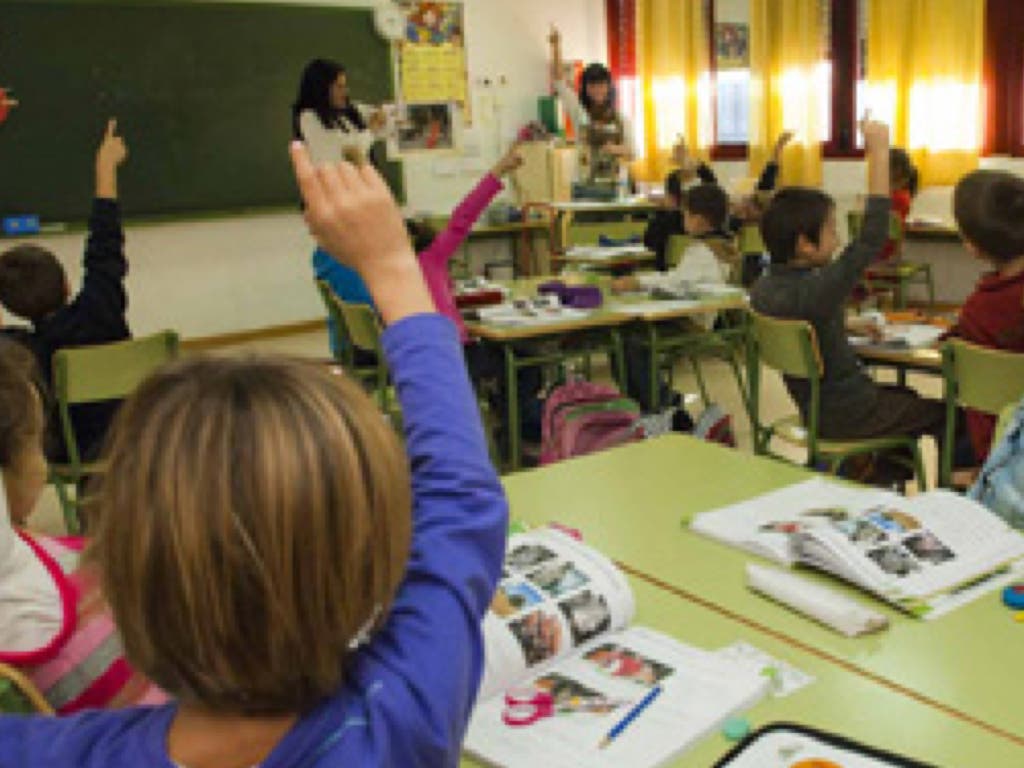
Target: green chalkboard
column 202, row 92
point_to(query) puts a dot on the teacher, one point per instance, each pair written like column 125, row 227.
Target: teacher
column 334, row 128
column 604, row 138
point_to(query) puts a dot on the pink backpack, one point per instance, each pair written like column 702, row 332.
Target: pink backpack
column 581, row 417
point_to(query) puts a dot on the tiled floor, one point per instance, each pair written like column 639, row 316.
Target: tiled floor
column 775, row 402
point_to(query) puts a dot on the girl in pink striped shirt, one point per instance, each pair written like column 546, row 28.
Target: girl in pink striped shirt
column 54, row 623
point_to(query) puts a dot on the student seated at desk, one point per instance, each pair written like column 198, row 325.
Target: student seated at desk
column 805, row 283
column 34, row 286
column 309, row 589
column 55, row 626
column 989, row 211
column 708, row 259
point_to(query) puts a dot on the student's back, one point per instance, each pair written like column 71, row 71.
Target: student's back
column 33, row 286
column 989, row 209
column 271, row 562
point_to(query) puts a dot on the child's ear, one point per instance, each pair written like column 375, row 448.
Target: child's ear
column 804, row 247
column 974, row 250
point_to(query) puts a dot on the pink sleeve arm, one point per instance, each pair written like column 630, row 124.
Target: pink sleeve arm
column 463, row 218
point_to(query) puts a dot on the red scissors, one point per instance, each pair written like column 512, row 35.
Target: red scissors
column 525, row 706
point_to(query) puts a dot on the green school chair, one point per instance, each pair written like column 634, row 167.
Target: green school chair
column 367, row 374
column 19, row 696
column 896, row 274
column 791, row 348
column 987, row 380
column 94, row 374
column 363, row 330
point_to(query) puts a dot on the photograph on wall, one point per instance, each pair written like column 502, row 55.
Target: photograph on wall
column 426, row 128
column 732, row 46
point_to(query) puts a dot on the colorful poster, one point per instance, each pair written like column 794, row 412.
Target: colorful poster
column 732, row 46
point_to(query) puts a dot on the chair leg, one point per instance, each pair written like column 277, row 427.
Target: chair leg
column 695, row 364
column 919, row 473
column 69, row 508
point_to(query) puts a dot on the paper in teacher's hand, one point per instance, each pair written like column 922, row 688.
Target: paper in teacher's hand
column 815, row 601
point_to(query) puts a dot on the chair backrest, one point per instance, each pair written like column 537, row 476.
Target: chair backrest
column 342, row 345
column 364, row 329
column 587, row 233
column 19, row 696
column 855, row 222
column 750, row 240
column 788, row 346
column 674, row 249
column 109, row 371
column 983, row 379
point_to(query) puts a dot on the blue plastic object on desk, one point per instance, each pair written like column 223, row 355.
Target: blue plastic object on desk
column 20, row 225
column 1013, row 597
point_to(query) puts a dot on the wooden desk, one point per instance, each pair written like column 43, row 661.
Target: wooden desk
column 631, row 502
column 838, row 700
column 921, row 360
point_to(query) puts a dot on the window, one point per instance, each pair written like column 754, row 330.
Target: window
column 841, row 74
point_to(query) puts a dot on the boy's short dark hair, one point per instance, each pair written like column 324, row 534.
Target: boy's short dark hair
column 709, row 201
column 32, row 282
column 989, row 211
column 421, row 234
column 674, row 185
column 794, row 211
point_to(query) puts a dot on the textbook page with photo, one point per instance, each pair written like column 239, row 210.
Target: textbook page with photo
column 558, row 628
column 927, row 554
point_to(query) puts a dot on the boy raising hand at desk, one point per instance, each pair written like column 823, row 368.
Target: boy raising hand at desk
column 34, row 286
column 804, row 282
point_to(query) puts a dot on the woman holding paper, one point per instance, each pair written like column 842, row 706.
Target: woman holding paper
column 328, row 121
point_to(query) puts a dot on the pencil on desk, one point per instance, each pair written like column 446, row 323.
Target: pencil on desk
column 632, row 715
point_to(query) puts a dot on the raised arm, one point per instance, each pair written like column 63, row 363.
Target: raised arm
column 103, row 295
column 460, row 514
column 469, row 210
column 840, row 276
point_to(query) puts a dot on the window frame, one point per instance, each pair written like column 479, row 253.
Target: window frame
column 1004, row 78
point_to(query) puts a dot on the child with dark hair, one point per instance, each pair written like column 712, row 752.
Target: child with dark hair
column 604, row 135
column 710, row 258
column 805, row 283
column 668, row 220
column 989, row 211
column 33, row 286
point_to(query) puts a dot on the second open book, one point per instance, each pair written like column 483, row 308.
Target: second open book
column 926, row 555
column 559, row 624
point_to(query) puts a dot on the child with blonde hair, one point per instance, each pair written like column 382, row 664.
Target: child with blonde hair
column 308, row 589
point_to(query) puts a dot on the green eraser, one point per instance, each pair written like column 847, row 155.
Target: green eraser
column 736, row 728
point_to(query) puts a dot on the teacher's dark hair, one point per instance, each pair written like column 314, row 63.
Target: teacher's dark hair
column 315, row 94
column 596, row 73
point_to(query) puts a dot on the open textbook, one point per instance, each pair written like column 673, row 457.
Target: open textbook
column 558, row 626
column 926, row 555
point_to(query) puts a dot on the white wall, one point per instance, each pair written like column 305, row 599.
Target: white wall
column 213, row 277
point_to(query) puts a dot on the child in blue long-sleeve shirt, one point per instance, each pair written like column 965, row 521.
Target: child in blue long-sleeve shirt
column 309, row 594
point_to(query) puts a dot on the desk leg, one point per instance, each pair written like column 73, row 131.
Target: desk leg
column 653, row 368
column 618, row 358
column 512, row 406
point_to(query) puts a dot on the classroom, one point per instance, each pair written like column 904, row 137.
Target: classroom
column 538, row 384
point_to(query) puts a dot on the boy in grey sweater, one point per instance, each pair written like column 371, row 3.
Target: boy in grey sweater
column 804, row 282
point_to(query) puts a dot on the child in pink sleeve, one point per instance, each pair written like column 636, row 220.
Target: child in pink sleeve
column 485, row 362
column 434, row 257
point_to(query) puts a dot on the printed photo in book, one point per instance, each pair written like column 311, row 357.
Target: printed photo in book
column 927, row 554
column 562, row 667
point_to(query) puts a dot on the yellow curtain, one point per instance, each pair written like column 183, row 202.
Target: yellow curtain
column 673, row 90
column 924, row 74
column 788, row 86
